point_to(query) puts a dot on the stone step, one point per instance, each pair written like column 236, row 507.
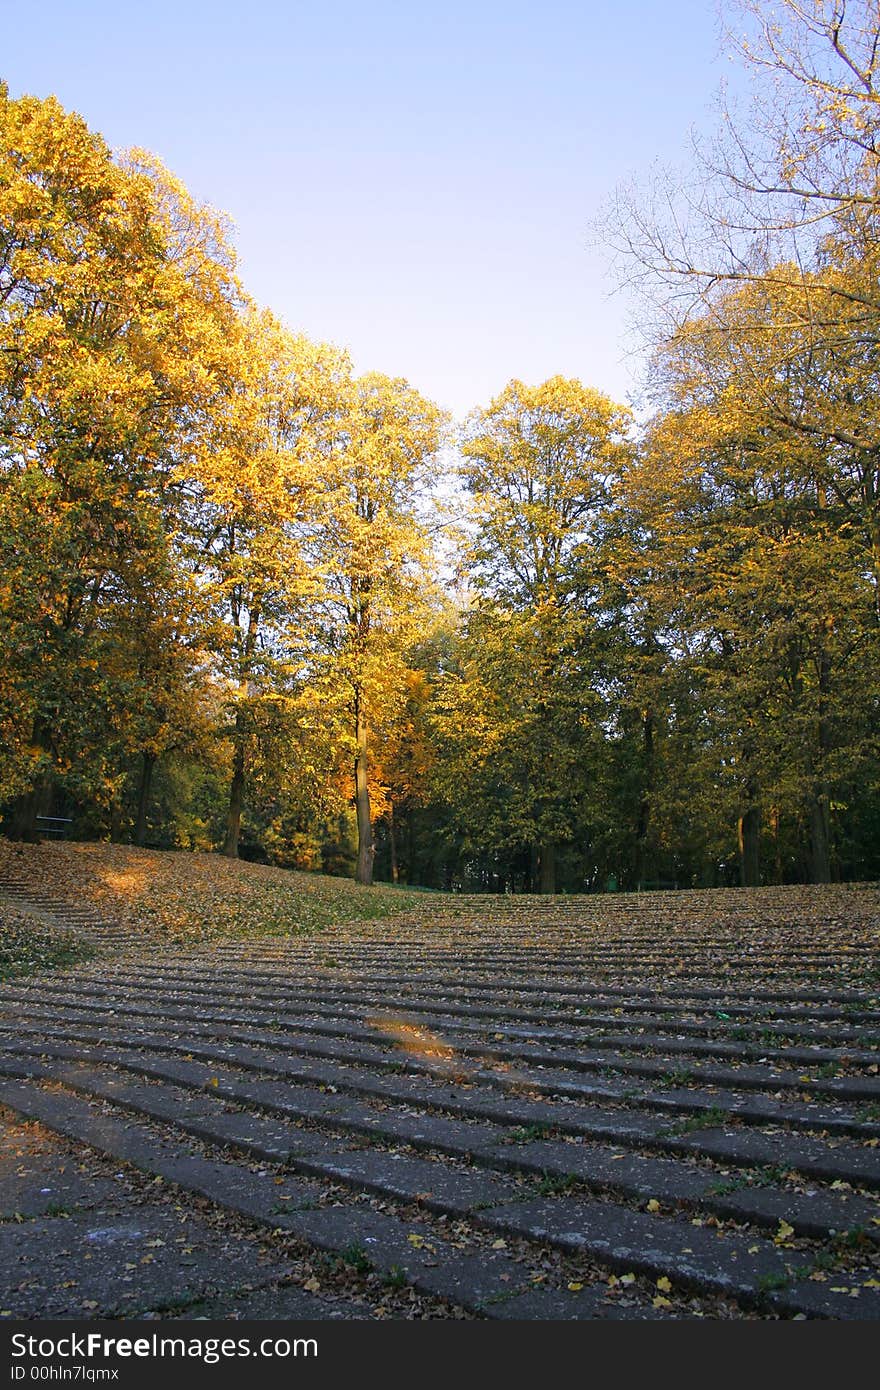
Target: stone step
column 319, row 1004
column 818, row 1213
column 620, row 1126
column 689, row 1256
column 358, row 1047
column 264, row 1057
column 424, row 1259
column 676, row 1102
column 546, row 993
column 66, row 916
column 668, row 1247
column 636, row 1177
column 279, row 1004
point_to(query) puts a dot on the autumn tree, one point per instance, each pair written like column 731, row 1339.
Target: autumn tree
column 371, row 548
column 537, row 465
column 762, row 270
column 785, row 205
column 109, row 328
column 252, row 489
column 766, row 599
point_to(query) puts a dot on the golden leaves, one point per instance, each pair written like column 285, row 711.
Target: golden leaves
column 784, row 1231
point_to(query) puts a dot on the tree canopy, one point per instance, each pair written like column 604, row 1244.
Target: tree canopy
column 236, row 616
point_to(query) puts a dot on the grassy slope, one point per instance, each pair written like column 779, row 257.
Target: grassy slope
column 28, row 945
column 198, row 897
column 190, row 898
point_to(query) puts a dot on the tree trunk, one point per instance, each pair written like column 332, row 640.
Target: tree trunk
column 820, row 807
column 530, row 881
column 548, row 868
column 820, row 838
column 644, row 817
column 364, row 871
column 148, row 762
column 392, row 844
column 413, row 869
column 875, row 557
column 236, row 792
column 34, row 802
column 239, row 757
column 24, row 820
column 775, row 820
column 748, row 834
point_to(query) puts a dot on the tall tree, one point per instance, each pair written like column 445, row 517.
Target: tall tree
column 786, row 208
column 111, row 323
column 372, row 548
column 766, row 597
column 538, row 464
column 253, row 489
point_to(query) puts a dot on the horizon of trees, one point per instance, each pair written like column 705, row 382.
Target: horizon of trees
column 237, row 617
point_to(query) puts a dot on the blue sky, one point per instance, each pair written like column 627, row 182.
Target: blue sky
column 412, row 181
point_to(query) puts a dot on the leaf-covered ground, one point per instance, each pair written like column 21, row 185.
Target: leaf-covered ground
column 187, row 898
column 27, row 944
column 616, row 1106
column 197, row 897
